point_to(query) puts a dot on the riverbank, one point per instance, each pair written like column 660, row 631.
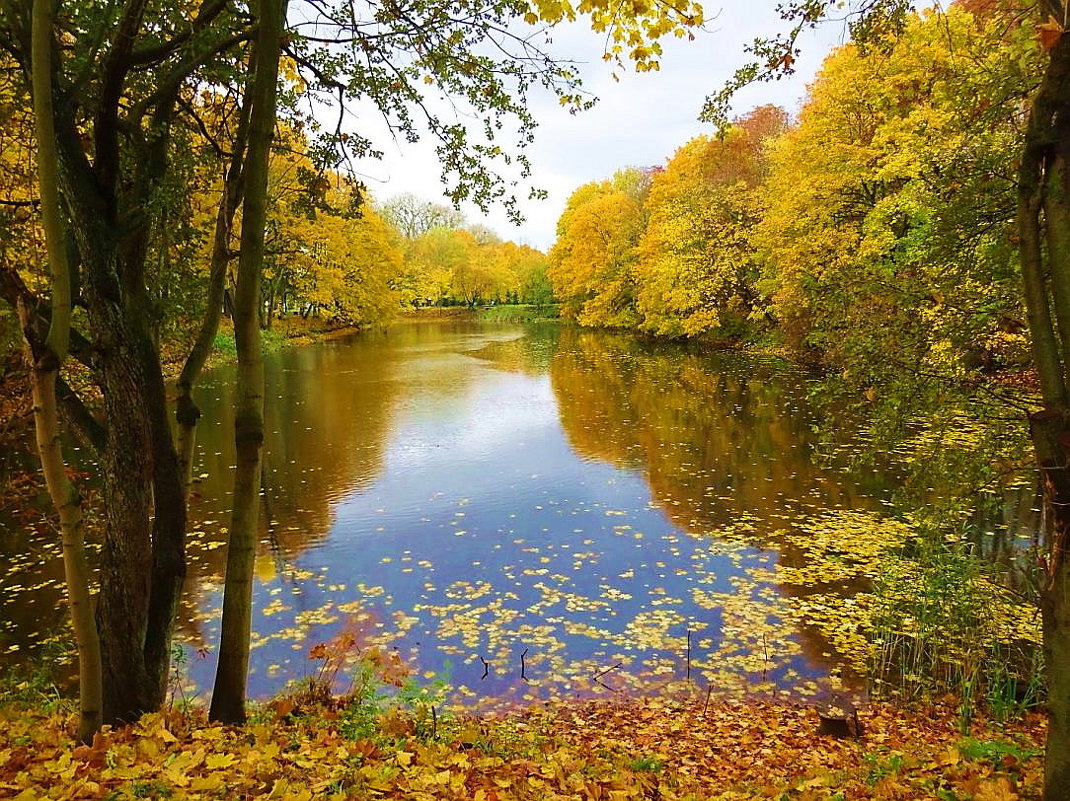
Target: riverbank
column 501, row 313
column 295, row 331
column 654, row 748
column 286, row 332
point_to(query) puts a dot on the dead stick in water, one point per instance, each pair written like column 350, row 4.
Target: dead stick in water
column 689, row 655
column 523, row 666
column 486, row 668
column 600, row 674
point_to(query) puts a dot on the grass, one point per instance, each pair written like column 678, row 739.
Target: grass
column 224, row 345
column 518, row 313
column 283, row 333
column 943, row 624
column 33, row 684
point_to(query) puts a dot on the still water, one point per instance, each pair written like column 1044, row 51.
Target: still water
column 522, row 510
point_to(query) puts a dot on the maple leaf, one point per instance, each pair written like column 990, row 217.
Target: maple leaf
column 217, row 761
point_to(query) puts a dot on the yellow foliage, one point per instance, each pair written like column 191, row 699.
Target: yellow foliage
column 695, row 256
column 21, row 239
column 632, row 28
column 861, row 220
column 591, row 262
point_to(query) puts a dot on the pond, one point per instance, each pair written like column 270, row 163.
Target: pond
column 522, row 511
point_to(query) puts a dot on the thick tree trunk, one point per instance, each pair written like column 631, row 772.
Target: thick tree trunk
column 142, row 561
column 143, row 558
column 132, row 687
column 228, row 694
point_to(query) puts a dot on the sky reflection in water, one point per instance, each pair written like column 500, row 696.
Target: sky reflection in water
column 456, row 491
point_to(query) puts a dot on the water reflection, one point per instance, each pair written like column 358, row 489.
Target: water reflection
column 721, row 437
column 461, row 492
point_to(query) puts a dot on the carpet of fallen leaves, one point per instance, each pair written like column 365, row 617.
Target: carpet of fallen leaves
column 656, row 748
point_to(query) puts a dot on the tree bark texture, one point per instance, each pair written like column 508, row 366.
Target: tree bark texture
column 143, row 556
column 228, row 694
column 1051, row 436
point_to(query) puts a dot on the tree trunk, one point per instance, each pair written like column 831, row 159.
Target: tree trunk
column 1051, row 436
column 142, row 561
column 1055, row 606
column 1044, row 214
column 228, row 694
column 46, row 358
column 268, row 307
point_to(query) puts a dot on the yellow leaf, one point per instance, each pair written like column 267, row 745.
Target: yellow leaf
column 999, row 789
column 217, row 761
column 165, row 735
column 209, row 784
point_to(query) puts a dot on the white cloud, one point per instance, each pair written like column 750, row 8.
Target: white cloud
column 640, row 120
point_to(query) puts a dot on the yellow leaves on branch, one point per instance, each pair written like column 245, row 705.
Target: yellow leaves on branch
column 633, row 27
column 668, row 249
column 591, row 262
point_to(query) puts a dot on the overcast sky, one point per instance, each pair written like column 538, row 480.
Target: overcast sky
column 639, row 121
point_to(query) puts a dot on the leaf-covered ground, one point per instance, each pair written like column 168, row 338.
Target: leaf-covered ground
column 661, row 748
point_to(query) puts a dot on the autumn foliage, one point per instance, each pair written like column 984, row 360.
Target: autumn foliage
column 681, row 747
column 888, row 198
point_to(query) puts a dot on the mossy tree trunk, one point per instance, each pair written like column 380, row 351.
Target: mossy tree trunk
column 228, row 694
column 1044, row 241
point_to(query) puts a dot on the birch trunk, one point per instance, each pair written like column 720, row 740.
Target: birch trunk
column 46, row 359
